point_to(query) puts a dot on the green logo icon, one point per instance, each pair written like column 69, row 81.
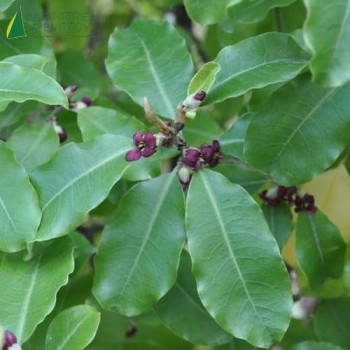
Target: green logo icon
column 15, row 28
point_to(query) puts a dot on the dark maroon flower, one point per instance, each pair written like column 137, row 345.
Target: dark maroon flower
column 200, row 96
column 149, row 140
column 62, row 136
column 191, row 157
column 211, row 154
column 148, row 151
column 10, row 339
column 305, row 202
column 290, row 195
column 133, row 154
column 137, row 138
column 146, row 145
column 87, row 101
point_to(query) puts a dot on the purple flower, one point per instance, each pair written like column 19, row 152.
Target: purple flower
column 200, row 96
column 211, row 154
column 10, row 339
column 87, row 101
column 191, row 157
column 146, row 145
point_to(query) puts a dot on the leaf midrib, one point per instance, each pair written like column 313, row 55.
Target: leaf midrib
column 315, row 236
column 26, row 301
column 158, row 82
column 223, row 82
column 71, row 334
column 230, row 249
column 81, row 176
column 149, row 230
column 303, row 121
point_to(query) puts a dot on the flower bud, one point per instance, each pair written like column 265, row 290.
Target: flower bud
column 192, row 102
column 184, row 174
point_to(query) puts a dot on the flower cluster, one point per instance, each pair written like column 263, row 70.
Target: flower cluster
column 146, row 145
column 290, row 195
column 9, row 341
column 193, row 159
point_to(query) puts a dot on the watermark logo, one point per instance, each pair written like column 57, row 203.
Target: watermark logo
column 16, row 29
column 64, row 23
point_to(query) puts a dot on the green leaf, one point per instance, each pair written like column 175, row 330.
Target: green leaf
column 140, row 249
column 300, row 118
column 232, row 142
column 255, row 63
column 4, row 5
column 183, row 313
column 208, row 11
column 28, row 45
column 251, row 180
column 241, row 277
column 147, row 65
column 73, row 328
column 77, row 179
column 14, row 115
column 29, row 290
column 95, row 121
column 280, row 222
column 252, row 10
column 313, row 345
column 326, row 32
column 320, row 248
column 45, row 64
column 332, row 321
column 204, row 78
column 34, row 144
column 19, row 207
column 20, row 84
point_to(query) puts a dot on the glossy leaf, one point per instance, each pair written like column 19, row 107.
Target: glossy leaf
column 183, row 313
column 204, row 78
column 282, row 138
column 320, row 248
column 14, row 115
column 73, row 328
column 313, row 345
column 332, row 322
column 280, row 222
column 207, row 11
column 251, row 180
column 34, row 285
column 34, row 144
column 4, row 5
column 45, row 64
column 249, row 11
column 326, row 33
column 19, row 207
column 241, row 278
column 20, row 84
column 95, row 121
column 77, row 179
column 140, row 249
column 147, row 65
column 255, row 63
